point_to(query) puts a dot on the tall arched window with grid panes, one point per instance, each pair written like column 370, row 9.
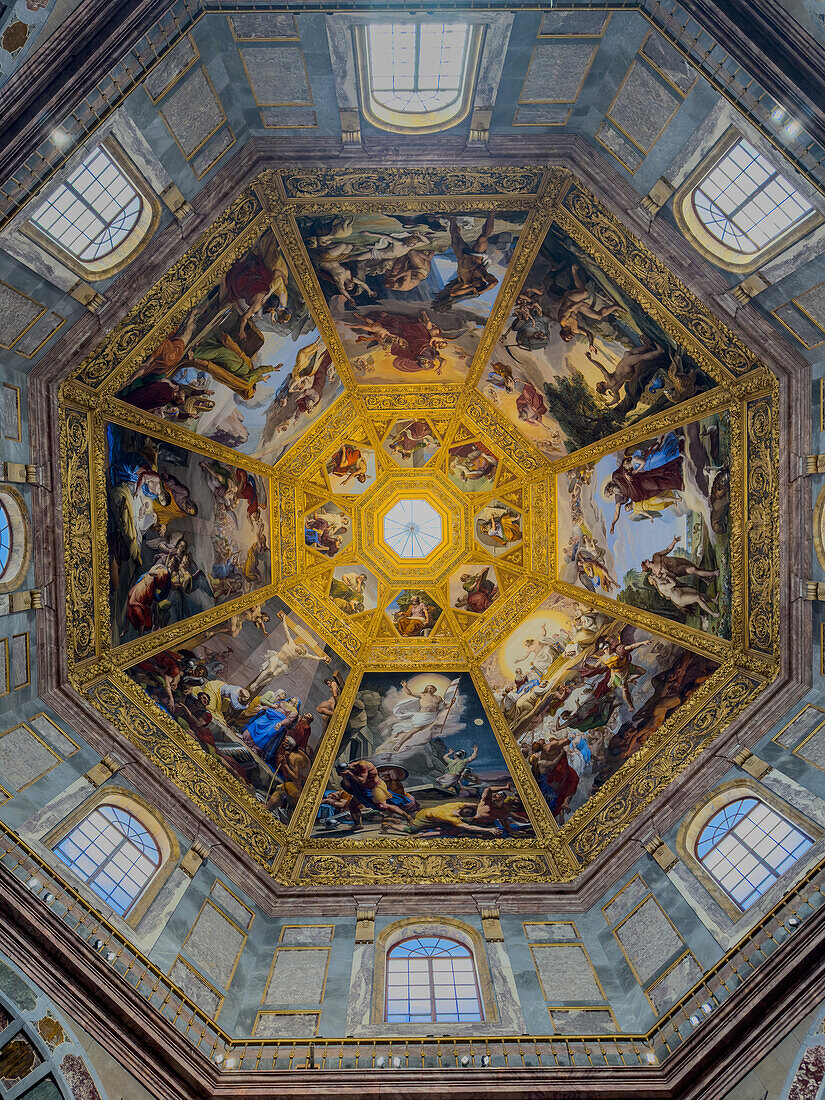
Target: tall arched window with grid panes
column 98, row 217
column 114, row 853
column 417, row 75
column 739, row 209
column 431, row 979
column 745, row 847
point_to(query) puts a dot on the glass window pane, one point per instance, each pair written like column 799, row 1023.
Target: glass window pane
column 745, row 203
column 747, row 851
column 430, row 978
column 81, row 214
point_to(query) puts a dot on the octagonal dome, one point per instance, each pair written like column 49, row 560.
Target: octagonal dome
column 594, row 599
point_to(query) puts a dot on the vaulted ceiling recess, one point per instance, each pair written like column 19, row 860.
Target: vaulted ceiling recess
column 449, row 465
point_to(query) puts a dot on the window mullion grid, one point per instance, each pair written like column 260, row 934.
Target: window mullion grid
column 417, row 53
column 751, row 851
column 433, row 1002
column 107, row 862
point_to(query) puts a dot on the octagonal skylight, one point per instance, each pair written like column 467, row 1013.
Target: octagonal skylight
column 412, row 528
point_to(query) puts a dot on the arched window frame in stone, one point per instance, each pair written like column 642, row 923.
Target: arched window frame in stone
column 416, row 122
column 695, row 822
column 130, row 247
column 141, row 809
column 14, row 575
column 700, row 238
column 449, row 929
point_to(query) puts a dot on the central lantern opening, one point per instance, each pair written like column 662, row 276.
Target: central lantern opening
column 412, row 528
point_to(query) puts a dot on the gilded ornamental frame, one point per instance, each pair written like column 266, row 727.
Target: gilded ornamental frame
column 747, row 663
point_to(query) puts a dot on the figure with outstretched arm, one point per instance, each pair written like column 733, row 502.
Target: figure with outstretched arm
column 577, row 303
column 277, row 661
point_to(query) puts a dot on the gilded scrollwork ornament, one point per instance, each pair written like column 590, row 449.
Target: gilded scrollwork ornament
column 502, row 469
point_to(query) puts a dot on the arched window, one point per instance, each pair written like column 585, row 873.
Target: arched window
column 15, row 543
column 431, row 979
column 5, row 540
column 98, row 216
column 112, row 851
column 738, row 209
column 746, row 845
column 745, row 203
column 417, row 76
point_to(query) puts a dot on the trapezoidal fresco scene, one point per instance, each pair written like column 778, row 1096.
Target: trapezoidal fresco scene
column 420, row 538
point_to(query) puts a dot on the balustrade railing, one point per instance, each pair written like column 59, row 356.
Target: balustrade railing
column 427, row 1052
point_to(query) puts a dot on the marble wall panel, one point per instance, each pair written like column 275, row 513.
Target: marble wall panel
column 167, row 71
column 286, row 1025
column 809, row 1075
column 306, row 935
column 4, row 651
column 566, row 974
column 212, row 151
column 288, row 118
column 23, row 758
column 267, row 26
column 669, row 62
column 582, row 1021
column 240, row 913
column 803, row 328
column 19, row 668
column 644, row 105
column 196, row 989
column 812, row 303
column 648, row 940
column 193, row 112
column 813, row 749
column 16, row 989
column 298, row 976
column 277, row 75
column 34, row 338
column 678, row 980
column 45, row 1089
column 214, row 945
column 801, row 726
column 18, row 1058
column 551, row 932
column 542, row 114
column 17, row 312
column 581, row 22
column 10, row 411
column 616, row 143
column 54, row 737
column 625, row 901
column 557, row 70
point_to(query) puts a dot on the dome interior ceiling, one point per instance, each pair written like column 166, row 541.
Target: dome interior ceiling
column 582, row 455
